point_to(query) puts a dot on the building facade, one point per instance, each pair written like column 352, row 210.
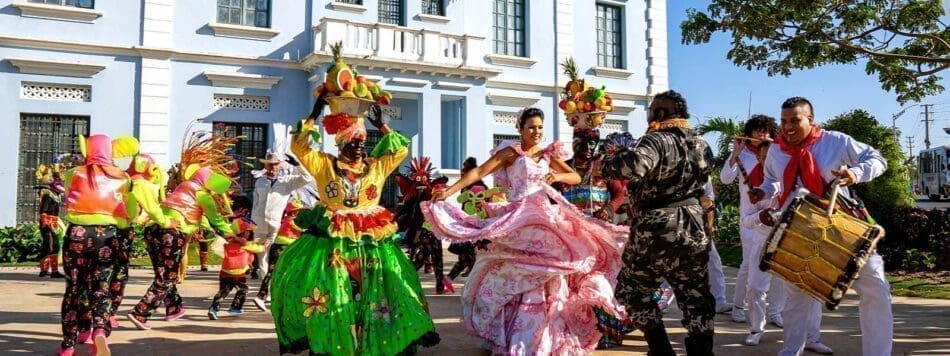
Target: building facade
column 459, row 70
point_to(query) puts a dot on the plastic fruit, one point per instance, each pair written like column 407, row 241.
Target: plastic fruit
column 601, row 101
column 570, row 107
column 361, row 91
column 347, row 94
column 562, row 104
column 588, row 107
column 339, row 75
column 606, row 108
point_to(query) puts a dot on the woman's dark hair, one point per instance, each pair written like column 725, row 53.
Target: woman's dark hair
column 529, row 113
column 761, row 122
column 680, row 110
column 469, row 163
column 796, row 101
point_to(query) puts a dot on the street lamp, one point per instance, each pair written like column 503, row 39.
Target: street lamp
column 895, row 117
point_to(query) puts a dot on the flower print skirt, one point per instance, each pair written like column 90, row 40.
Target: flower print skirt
column 336, row 296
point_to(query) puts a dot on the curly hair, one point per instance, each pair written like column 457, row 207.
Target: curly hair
column 529, row 113
column 796, row 101
column 761, row 122
column 680, row 110
column 469, row 163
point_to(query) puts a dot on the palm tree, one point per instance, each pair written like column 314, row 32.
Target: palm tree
column 726, row 130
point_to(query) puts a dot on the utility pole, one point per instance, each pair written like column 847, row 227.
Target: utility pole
column 927, row 121
column 910, row 146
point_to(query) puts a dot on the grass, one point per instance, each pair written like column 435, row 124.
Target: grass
column 918, row 287
column 193, row 258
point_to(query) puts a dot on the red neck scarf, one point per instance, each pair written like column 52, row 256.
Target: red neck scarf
column 756, row 175
column 802, row 164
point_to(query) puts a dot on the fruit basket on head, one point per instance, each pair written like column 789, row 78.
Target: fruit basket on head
column 347, row 92
column 586, row 107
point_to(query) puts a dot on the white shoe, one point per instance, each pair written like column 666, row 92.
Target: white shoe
column 723, row 308
column 818, row 348
column 777, row 321
column 268, row 298
column 259, row 303
column 738, row 315
column 753, row 338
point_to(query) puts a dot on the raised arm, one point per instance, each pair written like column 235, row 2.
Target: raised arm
column 498, row 160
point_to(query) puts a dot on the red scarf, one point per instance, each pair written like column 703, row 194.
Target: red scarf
column 756, row 175
column 802, row 164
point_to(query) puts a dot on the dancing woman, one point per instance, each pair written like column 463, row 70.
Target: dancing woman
column 533, row 291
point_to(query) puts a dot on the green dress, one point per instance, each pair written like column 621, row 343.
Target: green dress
column 344, row 287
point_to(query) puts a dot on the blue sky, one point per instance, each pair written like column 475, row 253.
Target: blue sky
column 713, row 86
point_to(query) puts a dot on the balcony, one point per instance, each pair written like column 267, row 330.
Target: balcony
column 380, row 45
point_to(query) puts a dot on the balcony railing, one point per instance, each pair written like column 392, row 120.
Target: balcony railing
column 390, row 42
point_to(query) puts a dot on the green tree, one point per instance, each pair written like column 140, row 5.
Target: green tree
column 903, row 41
column 891, row 188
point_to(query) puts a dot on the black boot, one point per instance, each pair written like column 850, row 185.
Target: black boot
column 699, row 344
column 658, row 341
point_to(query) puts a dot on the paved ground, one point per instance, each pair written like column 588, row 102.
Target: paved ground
column 929, row 204
column 29, row 324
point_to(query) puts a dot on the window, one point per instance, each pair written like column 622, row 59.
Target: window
column 42, row 137
column 248, row 149
column 498, row 138
column 354, row 2
column 85, row 4
column 390, row 11
column 433, row 7
column 609, row 38
column 453, row 133
column 390, row 196
column 244, row 12
column 509, row 27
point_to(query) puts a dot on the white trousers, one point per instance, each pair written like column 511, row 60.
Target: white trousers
column 742, row 277
column 265, row 234
column 717, row 280
column 765, row 295
column 874, row 309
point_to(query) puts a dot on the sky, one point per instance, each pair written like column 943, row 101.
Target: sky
column 713, row 86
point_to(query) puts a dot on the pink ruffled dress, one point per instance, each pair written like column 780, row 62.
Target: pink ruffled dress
column 549, row 264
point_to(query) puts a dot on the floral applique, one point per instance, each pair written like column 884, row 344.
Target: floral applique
column 332, row 190
column 316, row 302
column 381, row 311
column 371, row 193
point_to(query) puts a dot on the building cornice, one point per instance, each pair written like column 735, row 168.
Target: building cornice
column 611, row 72
column 54, row 67
column 57, row 12
column 511, row 61
column 496, row 97
column 315, row 60
column 241, row 80
column 433, row 18
column 244, row 32
column 342, row 6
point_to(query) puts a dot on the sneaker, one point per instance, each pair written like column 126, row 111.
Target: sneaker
column 44, row 273
column 255, row 274
column 204, row 268
column 56, row 274
column 84, row 337
column 65, row 352
column 753, row 339
column 176, row 315
column 738, row 315
column 212, row 314
column 235, row 311
column 723, row 308
column 113, row 322
column 448, row 285
column 100, row 344
column 267, row 299
column 259, row 303
column 818, row 348
column 141, row 325
column 777, row 321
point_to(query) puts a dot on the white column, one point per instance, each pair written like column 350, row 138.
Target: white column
column 430, row 108
column 564, row 13
column 156, row 83
column 657, row 69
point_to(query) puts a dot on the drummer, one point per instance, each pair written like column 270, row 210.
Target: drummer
column 807, row 156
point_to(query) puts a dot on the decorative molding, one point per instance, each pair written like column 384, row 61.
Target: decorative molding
column 511, row 61
column 373, row 78
column 620, row 3
column 453, row 85
column 244, row 32
column 611, row 125
column 512, row 99
column 241, row 102
column 541, row 87
column 55, row 92
column 57, row 12
column 409, row 82
column 241, row 80
column 342, row 6
column 54, row 67
column 611, row 72
column 433, row 18
column 392, row 111
column 505, row 118
column 622, row 107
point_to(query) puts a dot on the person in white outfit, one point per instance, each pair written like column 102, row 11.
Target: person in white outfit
column 271, row 193
column 742, row 164
column 807, row 156
column 717, row 279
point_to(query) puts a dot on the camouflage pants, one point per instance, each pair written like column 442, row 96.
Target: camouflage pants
column 669, row 244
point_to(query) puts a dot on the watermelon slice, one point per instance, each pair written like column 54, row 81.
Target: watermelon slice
column 344, row 79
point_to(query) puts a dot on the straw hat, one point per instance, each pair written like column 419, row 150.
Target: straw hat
column 271, row 158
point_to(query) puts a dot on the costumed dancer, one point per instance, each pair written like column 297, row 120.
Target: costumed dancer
column 235, row 260
column 534, row 290
column 345, row 287
column 203, row 176
column 425, row 250
column 807, row 156
column 286, row 235
column 473, row 199
column 52, row 229
column 667, row 171
column 97, row 206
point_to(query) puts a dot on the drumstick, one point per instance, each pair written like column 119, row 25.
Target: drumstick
column 834, row 193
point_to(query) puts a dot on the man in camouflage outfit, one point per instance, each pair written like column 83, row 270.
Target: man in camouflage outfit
column 667, row 171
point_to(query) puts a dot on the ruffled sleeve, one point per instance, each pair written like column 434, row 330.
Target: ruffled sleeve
column 559, row 150
column 514, row 144
column 391, row 150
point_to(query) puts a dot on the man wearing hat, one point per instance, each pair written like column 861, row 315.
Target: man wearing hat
column 271, row 193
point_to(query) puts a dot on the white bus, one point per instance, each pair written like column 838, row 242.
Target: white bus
column 934, row 173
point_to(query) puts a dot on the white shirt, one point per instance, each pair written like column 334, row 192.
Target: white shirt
column 832, row 150
column 730, row 173
column 270, row 199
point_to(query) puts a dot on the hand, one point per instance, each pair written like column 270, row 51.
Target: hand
column 756, row 195
column 375, row 116
column 550, row 178
column 319, row 105
column 439, row 194
column 765, row 216
column 238, row 239
column 847, row 177
column 291, row 160
column 604, row 214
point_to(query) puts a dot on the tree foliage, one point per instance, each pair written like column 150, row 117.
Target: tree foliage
column 891, row 189
column 726, row 129
column 903, row 41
